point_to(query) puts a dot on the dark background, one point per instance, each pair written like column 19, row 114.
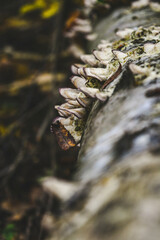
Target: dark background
column 34, row 63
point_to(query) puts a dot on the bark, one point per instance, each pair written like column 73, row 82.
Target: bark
column 118, row 173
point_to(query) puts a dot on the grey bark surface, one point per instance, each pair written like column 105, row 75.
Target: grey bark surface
column 118, row 173
column 123, row 18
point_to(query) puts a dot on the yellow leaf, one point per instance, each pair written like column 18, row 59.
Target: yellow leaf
column 38, row 4
column 52, row 10
column 17, row 23
column 3, row 130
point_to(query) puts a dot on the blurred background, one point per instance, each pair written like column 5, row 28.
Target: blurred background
column 35, row 59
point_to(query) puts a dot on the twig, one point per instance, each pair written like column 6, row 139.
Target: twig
column 44, row 125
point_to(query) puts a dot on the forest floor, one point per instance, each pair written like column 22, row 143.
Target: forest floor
column 34, row 63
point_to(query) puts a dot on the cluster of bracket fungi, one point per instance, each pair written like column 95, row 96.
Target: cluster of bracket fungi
column 137, row 48
column 83, row 24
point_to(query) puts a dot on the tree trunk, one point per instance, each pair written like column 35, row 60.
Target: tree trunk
column 118, row 174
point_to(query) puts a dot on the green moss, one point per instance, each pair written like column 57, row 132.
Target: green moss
column 140, row 50
column 93, row 83
column 9, row 232
column 120, row 44
column 79, row 125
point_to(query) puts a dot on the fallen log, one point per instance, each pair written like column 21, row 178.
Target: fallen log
column 116, row 188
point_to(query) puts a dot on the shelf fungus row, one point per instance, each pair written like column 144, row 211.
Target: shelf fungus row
column 96, row 78
column 81, row 26
column 135, row 4
column 155, row 6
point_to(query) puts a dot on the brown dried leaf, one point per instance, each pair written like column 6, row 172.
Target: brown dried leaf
column 64, row 138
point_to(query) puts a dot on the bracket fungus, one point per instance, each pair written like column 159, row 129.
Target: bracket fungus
column 137, row 48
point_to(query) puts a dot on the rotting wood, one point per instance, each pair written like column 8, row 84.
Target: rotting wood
column 118, row 166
